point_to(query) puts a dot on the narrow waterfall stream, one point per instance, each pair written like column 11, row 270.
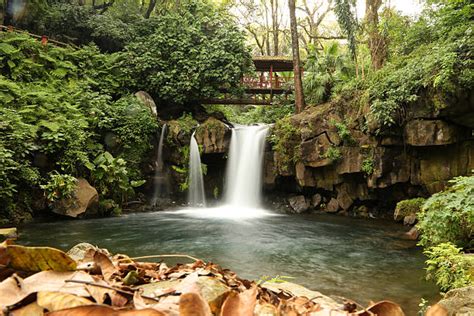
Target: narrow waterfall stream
column 159, row 178
column 196, row 195
column 244, row 167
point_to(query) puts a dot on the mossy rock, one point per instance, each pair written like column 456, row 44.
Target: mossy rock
column 407, row 208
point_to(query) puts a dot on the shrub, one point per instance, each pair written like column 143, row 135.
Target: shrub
column 286, row 140
column 333, row 154
column 368, row 166
column 59, row 186
column 448, row 216
column 408, row 207
column 448, row 267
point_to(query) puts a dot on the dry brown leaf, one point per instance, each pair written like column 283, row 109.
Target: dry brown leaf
column 242, row 304
column 32, row 309
column 382, row 308
column 35, row 259
column 54, row 301
column 105, row 265
column 192, row 304
column 12, row 290
column 96, row 310
column 52, row 281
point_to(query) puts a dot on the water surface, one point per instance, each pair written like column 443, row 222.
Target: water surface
column 359, row 259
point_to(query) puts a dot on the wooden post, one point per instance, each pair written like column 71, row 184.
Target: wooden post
column 271, row 82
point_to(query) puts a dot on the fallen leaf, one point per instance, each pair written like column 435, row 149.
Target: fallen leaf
column 95, row 310
column 99, row 294
column 54, row 301
column 192, row 304
column 437, row 310
column 382, row 308
column 52, row 281
column 105, row 265
column 8, row 232
column 32, row 309
column 242, row 304
column 12, row 290
column 34, row 259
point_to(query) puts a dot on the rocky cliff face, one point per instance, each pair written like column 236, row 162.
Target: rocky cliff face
column 339, row 152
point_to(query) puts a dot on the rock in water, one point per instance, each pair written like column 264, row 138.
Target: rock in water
column 84, row 198
column 298, row 204
column 457, row 302
column 316, row 200
column 333, row 206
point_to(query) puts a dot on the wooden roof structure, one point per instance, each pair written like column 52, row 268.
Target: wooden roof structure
column 275, row 63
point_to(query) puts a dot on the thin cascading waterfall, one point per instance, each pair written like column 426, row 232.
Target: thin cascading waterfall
column 196, row 195
column 244, row 168
column 159, row 179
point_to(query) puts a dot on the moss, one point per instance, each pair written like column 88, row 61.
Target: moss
column 286, row 140
column 408, row 207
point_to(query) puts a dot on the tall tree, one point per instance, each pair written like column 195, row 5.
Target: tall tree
column 299, row 97
column 377, row 41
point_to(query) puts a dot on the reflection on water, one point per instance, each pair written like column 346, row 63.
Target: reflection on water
column 359, row 259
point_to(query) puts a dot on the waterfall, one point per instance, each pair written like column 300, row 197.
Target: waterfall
column 244, row 168
column 196, row 184
column 159, row 179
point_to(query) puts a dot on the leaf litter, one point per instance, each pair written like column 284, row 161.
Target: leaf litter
column 46, row 281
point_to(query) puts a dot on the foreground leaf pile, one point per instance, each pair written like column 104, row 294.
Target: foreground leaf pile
column 90, row 281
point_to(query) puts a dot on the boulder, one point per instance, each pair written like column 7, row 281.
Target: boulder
column 146, row 99
column 362, row 211
column 298, row 204
column 214, row 136
column 312, row 151
column 409, row 220
column 407, row 208
column 412, row 234
column 85, row 198
column 304, row 175
column 344, row 199
column 79, row 251
column 332, row 206
column 456, row 302
column 316, row 200
column 432, row 133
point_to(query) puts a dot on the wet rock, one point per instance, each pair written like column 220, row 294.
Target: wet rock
column 412, row 234
column 332, row 206
column 214, row 136
column 298, row 204
column 269, row 169
column 316, row 200
column 458, row 302
column 85, row 198
column 298, row 290
column 362, row 211
column 146, row 99
column 409, row 220
column 79, row 251
column 407, row 208
column 431, row 133
column 344, row 200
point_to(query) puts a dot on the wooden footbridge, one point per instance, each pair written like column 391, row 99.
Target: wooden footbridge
column 274, row 76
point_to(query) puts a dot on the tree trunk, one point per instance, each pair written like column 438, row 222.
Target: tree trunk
column 149, row 10
column 299, row 97
column 8, row 15
column 275, row 27
column 377, row 42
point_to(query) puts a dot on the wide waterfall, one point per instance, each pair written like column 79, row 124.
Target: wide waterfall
column 159, row 181
column 244, row 168
column 196, row 195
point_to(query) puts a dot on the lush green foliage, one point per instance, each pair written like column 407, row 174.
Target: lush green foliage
column 325, row 70
column 411, row 206
column 59, row 186
column 266, row 114
column 448, row 267
column 448, row 216
column 436, row 60
column 187, row 54
column 286, row 140
column 368, row 166
column 58, row 113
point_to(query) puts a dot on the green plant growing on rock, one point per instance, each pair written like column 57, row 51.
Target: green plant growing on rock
column 448, row 216
column 333, row 154
column 343, row 132
column 408, row 207
column 448, row 267
column 368, row 166
column 59, row 186
column 286, row 140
